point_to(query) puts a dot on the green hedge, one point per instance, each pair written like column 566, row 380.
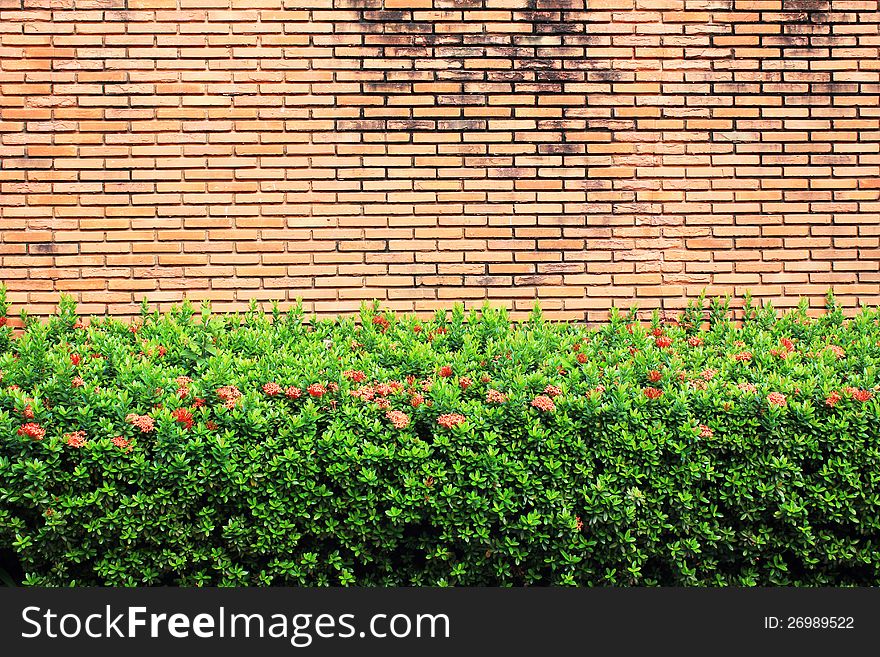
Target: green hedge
column 195, row 449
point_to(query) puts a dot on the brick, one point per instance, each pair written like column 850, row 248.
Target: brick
column 421, row 153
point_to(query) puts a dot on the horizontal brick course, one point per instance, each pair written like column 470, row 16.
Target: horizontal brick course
column 586, row 152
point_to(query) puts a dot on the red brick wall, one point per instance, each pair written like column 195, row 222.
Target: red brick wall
column 426, row 151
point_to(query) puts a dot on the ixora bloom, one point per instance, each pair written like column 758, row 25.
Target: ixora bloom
column 316, row 390
column 365, row 393
column 356, row 376
column 663, row 341
column 582, row 358
column 292, row 392
column 839, row 352
column 446, row 371
column 543, row 403
column 747, row 387
column 705, row 432
column 398, row 418
column 75, row 439
column 776, row 399
column 495, row 397
column 743, row 356
column 229, row 394
column 416, row 400
column 652, row 393
column 465, row 382
column 449, row 420
column 832, row 399
column 122, row 443
column 32, row 430
column 77, row 382
column 183, row 416
column 272, row 389
column 654, row 376
column 552, row 391
column 858, row 394
column 695, row 341
column 142, row 422
column 76, row 359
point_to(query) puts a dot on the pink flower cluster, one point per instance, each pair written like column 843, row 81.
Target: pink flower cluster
column 230, row 395
column 495, row 397
column 76, row 439
column 449, row 420
column 142, row 422
column 543, row 403
column 399, row 419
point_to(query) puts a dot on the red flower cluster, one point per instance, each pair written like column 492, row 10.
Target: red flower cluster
column 787, row 344
column 316, row 390
column 446, row 371
column 355, row 376
column 32, row 430
column 747, row 387
column 272, row 389
column 449, row 420
column 582, row 358
column 122, row 443
column 465, row 382
column 142, row 422
column 416, row 400
column 652, row 393
column 76, row 359
column 708, row 374
column 832, row 399
column 552, row 391
column 776, row 399
column 365, row 393
column 705, row 432
column 654, row 376
column 495, row 397
column 695, row 341
column 543, row 403
column 381, row 322
column 663, row 342
column 857, row 394
column 75, row 439
column 837, row 351
column 292, row 392
column 183, row 416
column 399, row 419
column 230, row 395
column 743, row 356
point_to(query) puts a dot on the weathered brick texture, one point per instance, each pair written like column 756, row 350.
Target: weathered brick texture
column 425, row 151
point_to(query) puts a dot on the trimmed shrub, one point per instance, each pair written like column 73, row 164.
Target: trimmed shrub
column 195, row 449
